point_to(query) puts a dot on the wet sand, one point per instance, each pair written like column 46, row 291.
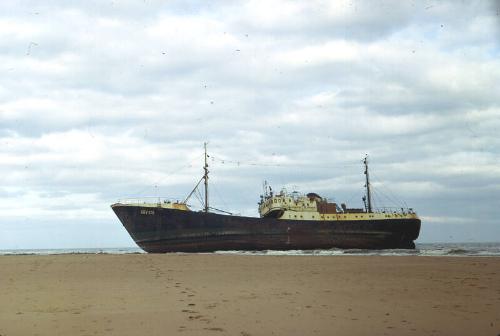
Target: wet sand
column 248, row 295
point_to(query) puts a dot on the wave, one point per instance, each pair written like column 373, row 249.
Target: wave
column 427, row 250
column 458, row 251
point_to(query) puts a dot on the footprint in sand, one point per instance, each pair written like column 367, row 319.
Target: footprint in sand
column 214, row 329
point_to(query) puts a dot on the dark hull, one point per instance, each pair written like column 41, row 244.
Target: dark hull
column 168, row 230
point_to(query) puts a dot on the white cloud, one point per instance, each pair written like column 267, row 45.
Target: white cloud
column 331, row 51
column 100, row 100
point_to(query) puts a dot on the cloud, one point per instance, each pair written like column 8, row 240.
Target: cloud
column 100, row 101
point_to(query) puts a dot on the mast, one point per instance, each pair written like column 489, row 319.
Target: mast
column 368, row 193
column 205, row 177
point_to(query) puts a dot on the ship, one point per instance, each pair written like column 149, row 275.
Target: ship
column 287, row 221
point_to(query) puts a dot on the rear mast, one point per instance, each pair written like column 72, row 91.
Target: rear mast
column 205, row 177
column 368, row 192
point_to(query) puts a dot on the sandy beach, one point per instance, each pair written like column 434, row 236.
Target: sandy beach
column 141, row 294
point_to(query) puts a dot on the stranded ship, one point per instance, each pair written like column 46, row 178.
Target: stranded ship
column 288, row 221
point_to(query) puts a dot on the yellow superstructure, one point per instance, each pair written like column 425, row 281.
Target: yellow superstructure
column 312, row 207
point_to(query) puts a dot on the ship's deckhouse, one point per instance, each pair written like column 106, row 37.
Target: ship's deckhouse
column 294, row 206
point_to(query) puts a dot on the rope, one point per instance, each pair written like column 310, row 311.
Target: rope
column 255, row 164
column 392, row 200
column 170, row 173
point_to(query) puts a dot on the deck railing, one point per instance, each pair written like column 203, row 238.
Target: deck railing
column 390, row 210
column 161, row 200
column 148, row 200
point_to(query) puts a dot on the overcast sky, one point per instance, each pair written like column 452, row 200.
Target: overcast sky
column 104, row 100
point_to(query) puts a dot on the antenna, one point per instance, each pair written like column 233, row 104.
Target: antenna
column 205, row 177
column 368, row 193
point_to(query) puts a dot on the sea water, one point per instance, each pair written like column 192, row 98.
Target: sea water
column 111, row 250
column 422, row 249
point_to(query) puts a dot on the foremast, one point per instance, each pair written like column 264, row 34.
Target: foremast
column 368, row 197
column 204, row 178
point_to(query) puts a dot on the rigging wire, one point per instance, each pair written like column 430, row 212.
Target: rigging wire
column 168, row 174
column 255, row 164
column 194, row 189
column 392, row 197
column 199, row 197
column 377, row 199
column 392, row 202
column 240, row 163
column 395, row 205
column 197, row 193
column 219, row 196
column 355, row 193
